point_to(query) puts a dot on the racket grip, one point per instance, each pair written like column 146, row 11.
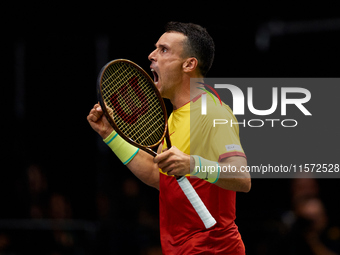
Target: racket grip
column 196, row 202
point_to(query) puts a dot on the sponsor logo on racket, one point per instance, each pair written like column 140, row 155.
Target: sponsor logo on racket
column 124, row 95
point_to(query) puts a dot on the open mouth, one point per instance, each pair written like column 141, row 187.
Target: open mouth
column 155, row 76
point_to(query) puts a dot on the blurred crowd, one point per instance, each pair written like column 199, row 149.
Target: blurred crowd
column 126, row 221
column 307, row 226
column 295, row 223
column 42, row 221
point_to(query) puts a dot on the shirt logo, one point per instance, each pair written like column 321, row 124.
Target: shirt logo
column 204, row 97
column 233, row 147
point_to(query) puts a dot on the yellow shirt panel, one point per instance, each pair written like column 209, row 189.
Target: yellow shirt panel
column 194, row 134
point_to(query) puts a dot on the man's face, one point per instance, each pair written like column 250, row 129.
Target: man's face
column 166, row 63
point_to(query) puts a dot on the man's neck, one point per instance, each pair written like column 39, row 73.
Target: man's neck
column 185, row 93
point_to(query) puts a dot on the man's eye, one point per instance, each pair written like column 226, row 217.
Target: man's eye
column 163, row 50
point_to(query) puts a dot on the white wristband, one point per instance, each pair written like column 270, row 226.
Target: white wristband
column 206, row 169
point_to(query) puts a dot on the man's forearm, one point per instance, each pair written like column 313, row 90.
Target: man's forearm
column 143, row 167
column 226, row 174
column 232, row 177
column 138, row 161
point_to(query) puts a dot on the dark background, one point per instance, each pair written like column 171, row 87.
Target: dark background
column 51, row 55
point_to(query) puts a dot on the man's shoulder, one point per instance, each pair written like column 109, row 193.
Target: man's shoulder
column 214, row 109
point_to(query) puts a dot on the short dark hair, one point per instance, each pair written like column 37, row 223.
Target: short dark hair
column 199, row 43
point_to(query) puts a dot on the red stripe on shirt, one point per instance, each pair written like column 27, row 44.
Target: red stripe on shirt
column 230, row 154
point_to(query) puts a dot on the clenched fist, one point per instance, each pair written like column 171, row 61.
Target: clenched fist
column 98, row 121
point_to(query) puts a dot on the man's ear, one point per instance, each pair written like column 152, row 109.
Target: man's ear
column 190, row 65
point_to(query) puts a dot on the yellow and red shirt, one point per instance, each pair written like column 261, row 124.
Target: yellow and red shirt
column 181, row 229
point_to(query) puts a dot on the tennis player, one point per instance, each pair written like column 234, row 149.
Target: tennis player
column 183, row 52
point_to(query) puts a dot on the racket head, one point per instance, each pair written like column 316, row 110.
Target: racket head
column 132, row 104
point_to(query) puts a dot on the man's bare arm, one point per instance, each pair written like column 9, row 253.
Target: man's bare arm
column 175, row 162
column 236, row 181
column 142, row 165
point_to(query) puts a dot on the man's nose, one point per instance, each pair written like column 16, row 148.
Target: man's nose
column 152, row 56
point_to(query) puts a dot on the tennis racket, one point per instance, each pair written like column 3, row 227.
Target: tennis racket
column 135, row 109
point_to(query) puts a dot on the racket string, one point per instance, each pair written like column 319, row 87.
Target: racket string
column 119, row 79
